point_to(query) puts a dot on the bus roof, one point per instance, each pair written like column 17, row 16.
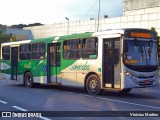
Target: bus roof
column 74, row 36
column 49, row 39
column 16, row 42
column 109, row 32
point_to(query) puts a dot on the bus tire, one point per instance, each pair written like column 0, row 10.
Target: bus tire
column 28, row 80
column 93, row 85
column 127, row 90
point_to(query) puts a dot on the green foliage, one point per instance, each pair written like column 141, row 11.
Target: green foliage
column 21, row 26
column 4, row 37
column 1, row 31
column 3, row 27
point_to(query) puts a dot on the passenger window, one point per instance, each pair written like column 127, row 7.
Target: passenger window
column 90, row 48
column 72, row 49
column 6, row 53
column 25, row 52
column 38, row 51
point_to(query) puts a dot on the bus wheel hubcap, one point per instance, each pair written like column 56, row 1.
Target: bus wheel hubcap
column 28, row 80
column 93, row 84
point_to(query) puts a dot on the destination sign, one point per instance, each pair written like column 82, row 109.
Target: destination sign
column 140, row 35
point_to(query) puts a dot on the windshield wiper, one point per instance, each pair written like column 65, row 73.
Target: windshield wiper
column 145, row 51
column 150, row 47
column 139, row 47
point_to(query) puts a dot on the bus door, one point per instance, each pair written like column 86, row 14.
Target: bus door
column 111, row 64
column 14, row 62
column 53, row 63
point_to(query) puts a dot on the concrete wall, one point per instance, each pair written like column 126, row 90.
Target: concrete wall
column 140, row 6
column 58, row 29
column 147, row 21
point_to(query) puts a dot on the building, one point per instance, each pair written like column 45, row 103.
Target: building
column 136, row 14
column 135, row 7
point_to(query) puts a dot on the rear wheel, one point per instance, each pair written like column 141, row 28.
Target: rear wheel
column 28, row 80
column 93, row 85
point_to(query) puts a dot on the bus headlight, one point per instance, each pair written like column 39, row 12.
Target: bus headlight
column 127, row 73
column 130, row 75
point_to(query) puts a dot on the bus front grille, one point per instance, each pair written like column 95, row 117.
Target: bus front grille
column 145, row 77
column 146, row 82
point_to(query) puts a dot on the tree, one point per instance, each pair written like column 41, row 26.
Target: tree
column 6, row 37
column 3, row 27
column 21, row 26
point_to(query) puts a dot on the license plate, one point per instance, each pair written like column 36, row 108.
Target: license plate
column 147, row 82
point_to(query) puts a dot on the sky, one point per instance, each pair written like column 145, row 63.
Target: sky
column 14, row 12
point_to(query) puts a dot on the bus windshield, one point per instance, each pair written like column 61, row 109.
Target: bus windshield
column 139, row 52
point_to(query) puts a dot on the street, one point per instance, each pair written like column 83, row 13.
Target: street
column 16, row 97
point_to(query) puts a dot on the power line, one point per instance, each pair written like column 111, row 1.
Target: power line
column 89, row 10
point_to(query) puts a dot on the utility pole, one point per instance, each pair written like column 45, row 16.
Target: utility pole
column 99, row 15
column 68, row 25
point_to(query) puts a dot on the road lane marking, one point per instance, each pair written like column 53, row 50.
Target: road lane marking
column 117, row 101
column 78, row 94
column 68, row 92
column 3, row 102
column 19, row 108
column 129, row 103
column 85, row 95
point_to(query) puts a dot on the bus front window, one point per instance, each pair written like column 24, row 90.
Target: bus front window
column 140, row 53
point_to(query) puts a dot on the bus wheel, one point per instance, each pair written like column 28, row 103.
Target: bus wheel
column 93, row 85
column 127, row 90
column 28, row 80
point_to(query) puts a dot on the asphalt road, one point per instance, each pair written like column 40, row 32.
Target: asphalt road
column 15, row 97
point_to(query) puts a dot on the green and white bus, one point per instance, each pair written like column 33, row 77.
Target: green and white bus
column 119, row 59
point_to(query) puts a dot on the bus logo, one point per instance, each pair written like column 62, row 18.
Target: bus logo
column 27, row 65
column 80, row 67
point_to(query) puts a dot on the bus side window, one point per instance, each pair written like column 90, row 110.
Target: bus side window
column 42, row 50
column 35, row 54
column 25, row 52
column 51, row 54
column 38, row 50
column 71, row 49
column 65, row 50
column 6, row 53
column 90, row 48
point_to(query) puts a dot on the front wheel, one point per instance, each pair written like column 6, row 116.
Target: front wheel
column 93, row 85
column 28, row 80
